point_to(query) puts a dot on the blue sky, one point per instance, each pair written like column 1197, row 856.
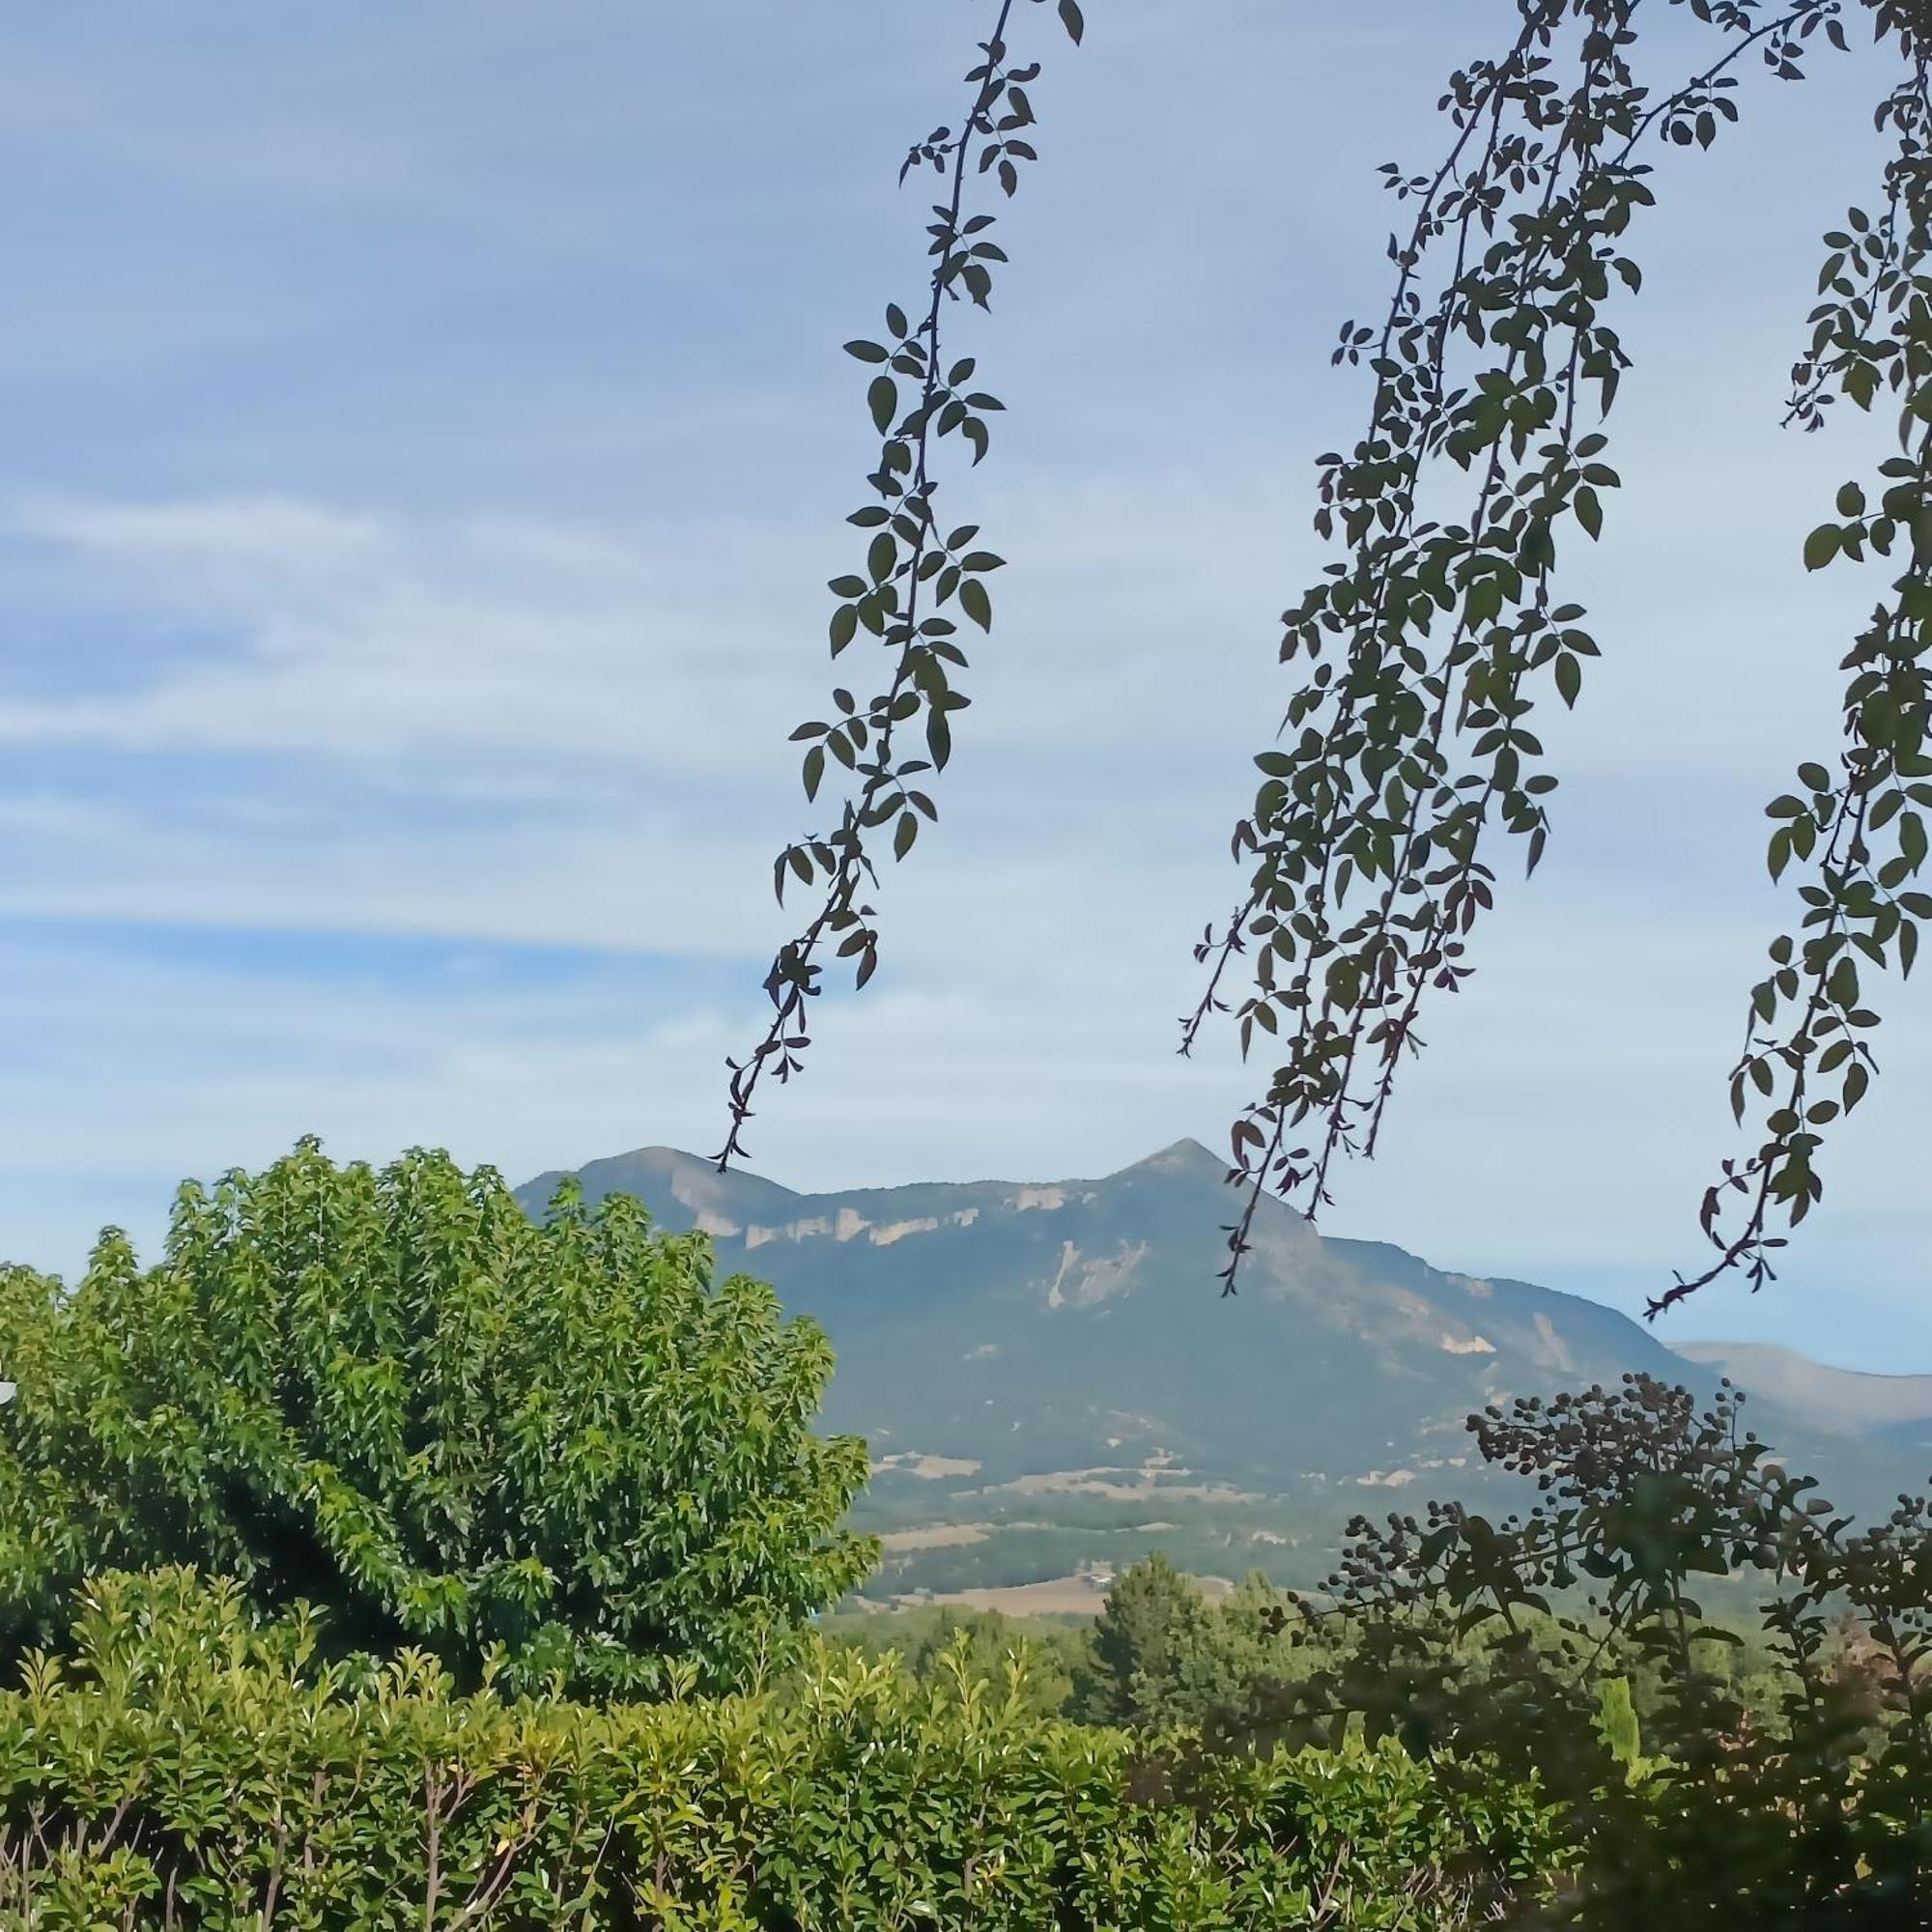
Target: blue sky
column 423, row 441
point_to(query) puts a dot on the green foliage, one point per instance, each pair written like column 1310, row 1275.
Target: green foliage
column 935, row 1646
column 1689, row 1807
column 393, row 1395
column 189, row 1769
column 1161, row 1656
column 1148, row 1643
column 1620, row 1728
column 1856, row 835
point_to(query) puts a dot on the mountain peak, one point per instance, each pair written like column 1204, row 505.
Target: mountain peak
column 664, row 1160
column 681, row 1190
column 1185, row 1155
column 1052, row 1356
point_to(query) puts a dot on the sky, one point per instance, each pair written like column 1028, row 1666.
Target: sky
column 424, row 442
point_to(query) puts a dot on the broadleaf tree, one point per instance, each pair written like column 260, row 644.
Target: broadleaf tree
column 1516, row 1642
column 393, row 1395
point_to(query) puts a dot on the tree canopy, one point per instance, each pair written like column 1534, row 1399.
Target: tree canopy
column 391, row 1394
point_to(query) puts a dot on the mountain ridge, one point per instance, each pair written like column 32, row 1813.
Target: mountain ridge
column 1047, row 1376
column 1864, row 1402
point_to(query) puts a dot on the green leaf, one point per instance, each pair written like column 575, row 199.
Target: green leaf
column 1821, row 546
column 884, row 398
column 1912, row 840
column 1071, row 20
column 976, row 604
column 866, row 351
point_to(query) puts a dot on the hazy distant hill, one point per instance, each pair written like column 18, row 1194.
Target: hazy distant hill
column 1894, row 1408
column 1049, row 1380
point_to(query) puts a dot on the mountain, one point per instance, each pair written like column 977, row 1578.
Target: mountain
column 1050, row 1381
column 1892, row 1409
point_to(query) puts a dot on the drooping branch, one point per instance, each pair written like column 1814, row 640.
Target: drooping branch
column 1427, row 648
column 914, row 571
column 1859, row 831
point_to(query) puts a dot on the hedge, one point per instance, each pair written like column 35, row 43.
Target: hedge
column 185, row 1767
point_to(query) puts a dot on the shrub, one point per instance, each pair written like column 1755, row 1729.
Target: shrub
column 394, row 1396
column 935, row 1641
column 1464, row 1635
column 191, row 1769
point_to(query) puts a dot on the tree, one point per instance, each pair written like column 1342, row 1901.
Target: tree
column 942, row 1643
column 1151, row 1650
column 1409, row 740
column 1525, row 1642
column 393, row 1395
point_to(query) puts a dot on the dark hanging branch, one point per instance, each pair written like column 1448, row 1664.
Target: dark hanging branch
column 1410, row 738
column 916, row 578
column 1854, row 829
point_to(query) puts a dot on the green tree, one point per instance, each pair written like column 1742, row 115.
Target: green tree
column 392, row 1395
column 1151, row 1651
column 1161, row 1656
column 1574, row 1642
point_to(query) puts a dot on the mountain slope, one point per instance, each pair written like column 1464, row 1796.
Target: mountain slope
column 1898, row 1409
column 1047, row 1376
